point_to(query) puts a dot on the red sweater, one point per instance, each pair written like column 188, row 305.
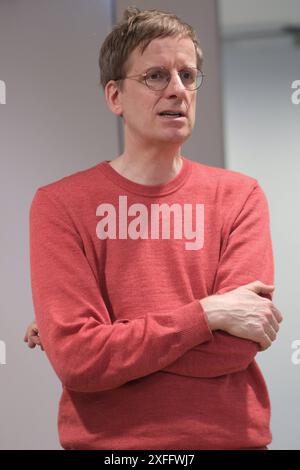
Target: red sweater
column 116, row 285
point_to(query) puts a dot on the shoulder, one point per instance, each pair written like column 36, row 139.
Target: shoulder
column 70, row 190
column 229, row 179
column 226, row 186
column 74, row 182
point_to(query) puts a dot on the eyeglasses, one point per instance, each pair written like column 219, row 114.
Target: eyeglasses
column 158, row 78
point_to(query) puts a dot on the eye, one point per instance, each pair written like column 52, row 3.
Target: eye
column 156, row 75
column 187, row 75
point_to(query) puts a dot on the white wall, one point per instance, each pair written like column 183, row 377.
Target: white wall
column 262, row 140
column 54, row 123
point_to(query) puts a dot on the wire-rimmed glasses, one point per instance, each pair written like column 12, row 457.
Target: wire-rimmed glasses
column 158, row 78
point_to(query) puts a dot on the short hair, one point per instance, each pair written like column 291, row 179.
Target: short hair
column 139, row 28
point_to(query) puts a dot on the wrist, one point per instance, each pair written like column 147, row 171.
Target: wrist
column 212, row 311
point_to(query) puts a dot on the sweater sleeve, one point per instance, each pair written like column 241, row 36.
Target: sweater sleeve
column 87, row 351
column 246, row 256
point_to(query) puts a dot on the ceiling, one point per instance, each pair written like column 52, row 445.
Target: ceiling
column 238, row 15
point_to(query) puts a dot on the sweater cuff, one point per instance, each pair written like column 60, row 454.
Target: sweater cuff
column 195, row 323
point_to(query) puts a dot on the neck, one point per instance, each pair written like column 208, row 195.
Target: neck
column 149, row 166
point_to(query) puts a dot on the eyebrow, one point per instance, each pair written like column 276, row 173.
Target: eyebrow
column 165, row 67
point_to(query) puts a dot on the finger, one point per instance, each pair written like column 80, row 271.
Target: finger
column 265, row 343
column 277, row 313
column 28, row 333
column 270, row 332
column 35, row 339
column 274, row 323
column 32, row 332
column 259, row 287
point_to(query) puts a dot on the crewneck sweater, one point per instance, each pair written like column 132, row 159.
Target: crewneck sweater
column 117, row 272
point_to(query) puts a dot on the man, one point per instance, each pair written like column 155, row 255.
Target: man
column 152, row 274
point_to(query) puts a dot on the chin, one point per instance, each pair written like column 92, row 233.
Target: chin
column 173, row 140
column 180, row 138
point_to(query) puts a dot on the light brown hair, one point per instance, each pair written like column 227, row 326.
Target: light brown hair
column 139, row 28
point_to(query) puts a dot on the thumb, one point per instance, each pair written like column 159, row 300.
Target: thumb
column 259, row 287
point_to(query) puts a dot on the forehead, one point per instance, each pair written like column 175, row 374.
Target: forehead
column 167, row 51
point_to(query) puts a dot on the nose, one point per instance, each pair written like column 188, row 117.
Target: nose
column 175, row 85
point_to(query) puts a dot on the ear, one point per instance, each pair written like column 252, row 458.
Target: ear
column 113, row 97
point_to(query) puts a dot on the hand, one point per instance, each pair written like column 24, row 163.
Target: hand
column 32, row 336
column 244, row 313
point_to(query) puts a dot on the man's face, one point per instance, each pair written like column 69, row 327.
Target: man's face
column 141, row 106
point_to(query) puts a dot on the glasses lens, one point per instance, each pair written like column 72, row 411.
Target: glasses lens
column 191, row 78
column 157, row 78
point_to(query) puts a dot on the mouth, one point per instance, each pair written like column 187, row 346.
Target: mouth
column 171, row 116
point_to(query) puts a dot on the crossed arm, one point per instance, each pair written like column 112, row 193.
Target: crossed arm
column 225, row 354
